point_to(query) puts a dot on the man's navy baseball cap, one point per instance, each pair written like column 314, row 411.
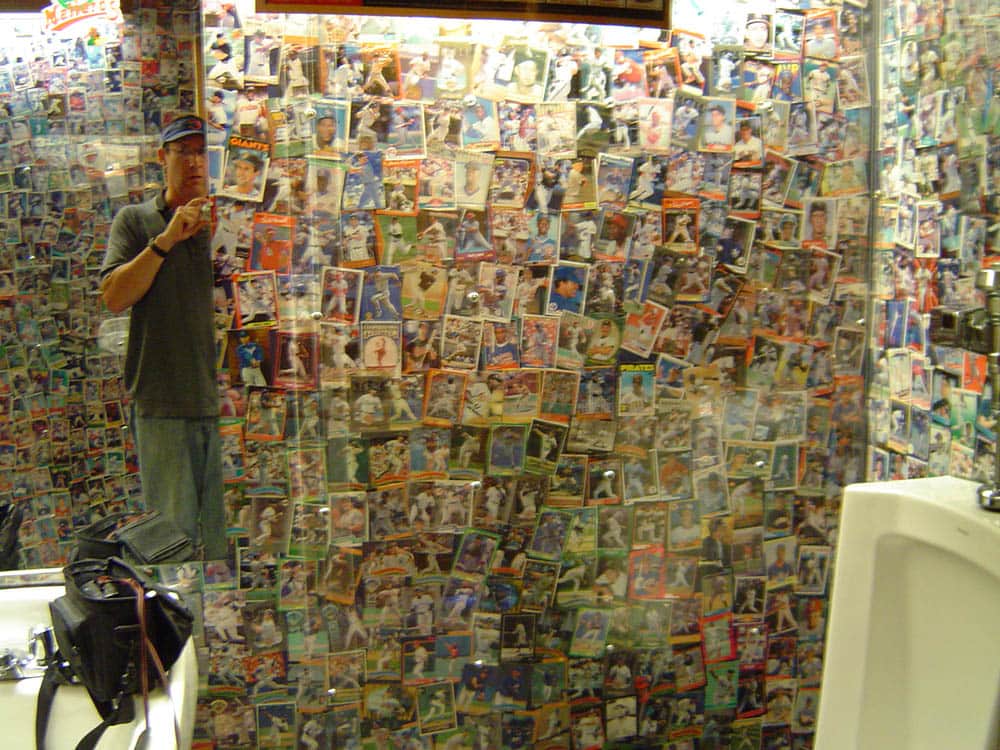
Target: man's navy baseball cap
column 181, row 128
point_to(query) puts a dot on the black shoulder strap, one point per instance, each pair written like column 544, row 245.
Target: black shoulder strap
column 46, row 693
column 90, row 740
column 118, row 712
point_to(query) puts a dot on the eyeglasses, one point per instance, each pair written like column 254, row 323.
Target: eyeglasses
column 190, row 152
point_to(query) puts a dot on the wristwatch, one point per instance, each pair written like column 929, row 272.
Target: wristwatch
column 157, row 249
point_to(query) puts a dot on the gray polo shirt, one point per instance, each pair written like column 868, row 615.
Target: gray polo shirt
column 170, row 362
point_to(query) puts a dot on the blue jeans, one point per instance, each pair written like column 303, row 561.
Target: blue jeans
column 180, row 463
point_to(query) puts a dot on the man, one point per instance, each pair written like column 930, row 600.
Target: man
column 480, row 125
column 543, row 247
column 363, row 182
column 217, row 114
column 502, row 352
column 816, row 230
column 748, row 146
column 726, row 64
column 271, row 253
column 576, row 182
column 260, row 61
column 250, row 356
column 246, row 170
column 356, row 240
column 718, row 134
column 685, row 533
column 434, row 239
column 714, row 548
column 781, row 569
column 382, row 296
column 758, row 32
column 158, row 264
column 338, row 288
column 821, row 42
column 685, row 117
column 565, row 294
column 526, row 83
column 634, row 401
column 586, row 230
column 469, row 237
column 681, row 232
column 594, row 123
column 474, row 189
column 224, row 71
column 326, row 134
column 645, row 185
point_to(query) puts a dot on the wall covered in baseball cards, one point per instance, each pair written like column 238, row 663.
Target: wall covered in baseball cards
column 545, row 349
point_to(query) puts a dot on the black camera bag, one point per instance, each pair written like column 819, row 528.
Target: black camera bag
column 114, row 627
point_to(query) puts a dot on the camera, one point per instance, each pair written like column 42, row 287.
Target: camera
column 968, row 328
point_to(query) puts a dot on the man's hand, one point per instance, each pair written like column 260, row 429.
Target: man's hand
column 187, row 221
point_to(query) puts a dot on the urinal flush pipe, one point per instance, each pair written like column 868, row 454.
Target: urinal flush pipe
column 988, row 282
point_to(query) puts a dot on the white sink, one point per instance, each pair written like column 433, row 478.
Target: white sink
column 73, row 713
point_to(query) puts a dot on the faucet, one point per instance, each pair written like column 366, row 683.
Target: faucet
column 42, row 635
column 10, row 665
column 17, row 664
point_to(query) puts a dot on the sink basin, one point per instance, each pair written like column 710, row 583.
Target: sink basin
column 73, row 713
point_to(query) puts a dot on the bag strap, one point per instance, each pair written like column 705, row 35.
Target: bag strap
column 113, row 712
column 148, row 652
column 123, row 712
column 120, row 710
column 117, row 712
column 46, row 693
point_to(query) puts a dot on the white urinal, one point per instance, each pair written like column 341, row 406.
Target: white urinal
column 913, row 644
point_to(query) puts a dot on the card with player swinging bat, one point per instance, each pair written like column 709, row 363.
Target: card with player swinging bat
column 544, row 444
column 347, row 676
column 341, row 290
column 461, row 340
column 680, row 224
column 436, row 707
column 444, row 397
column 496, row 286
column 538, row 585
column 647, row 583
column 297, row 360
column 568, row 482
column 591, row 632
column 517, row 637
column 424, row 290
column 276, row 721
column 501, row 342
column 399, row 180
column 310, row 531
column 418, row 660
